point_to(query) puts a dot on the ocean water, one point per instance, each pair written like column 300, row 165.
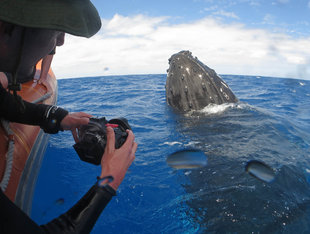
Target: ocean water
column 270, row 124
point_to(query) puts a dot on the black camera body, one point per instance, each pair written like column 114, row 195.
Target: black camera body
column 93, row 138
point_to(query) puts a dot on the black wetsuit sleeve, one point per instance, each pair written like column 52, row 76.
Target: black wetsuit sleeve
column 46, row 116
column 14, row 220
column 79, row 219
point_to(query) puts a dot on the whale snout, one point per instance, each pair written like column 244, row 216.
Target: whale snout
column 191, row 85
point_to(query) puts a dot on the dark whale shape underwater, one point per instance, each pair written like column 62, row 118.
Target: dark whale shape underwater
column 191, row 85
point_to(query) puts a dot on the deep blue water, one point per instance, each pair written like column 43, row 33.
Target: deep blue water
column 270, row 124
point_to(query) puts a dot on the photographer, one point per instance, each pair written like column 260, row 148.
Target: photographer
column 81, row 217
column 28, row 32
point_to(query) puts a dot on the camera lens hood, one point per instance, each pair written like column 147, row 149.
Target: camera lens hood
column 93, row 138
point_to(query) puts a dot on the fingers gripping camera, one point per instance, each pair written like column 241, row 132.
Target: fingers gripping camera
column 93, row 138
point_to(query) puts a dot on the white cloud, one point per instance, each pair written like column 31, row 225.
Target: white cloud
column 283, row 1
column 226, row 14
column 142, row 45
column 254, row 3
column 280, row 2
column 269, row 19
column 211, row 8
column 131, row 26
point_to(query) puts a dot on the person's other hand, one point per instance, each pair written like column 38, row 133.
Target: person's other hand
column 115, row 162
column 73, row 121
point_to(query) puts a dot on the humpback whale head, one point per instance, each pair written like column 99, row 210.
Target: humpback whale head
column 191, row 85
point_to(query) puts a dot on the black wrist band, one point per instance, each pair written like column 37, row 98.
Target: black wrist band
column 106, row 185
column 108, row 188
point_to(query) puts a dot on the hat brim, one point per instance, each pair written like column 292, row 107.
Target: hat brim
column 76, row 17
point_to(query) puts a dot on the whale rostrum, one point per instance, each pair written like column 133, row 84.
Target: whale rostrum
column 191, row 85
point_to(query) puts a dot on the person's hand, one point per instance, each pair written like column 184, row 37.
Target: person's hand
column 42, row 80
column 3, row 80
column 115, row 162
column 73, row 121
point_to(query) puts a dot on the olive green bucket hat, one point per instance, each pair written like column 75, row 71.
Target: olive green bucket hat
column 76, row 17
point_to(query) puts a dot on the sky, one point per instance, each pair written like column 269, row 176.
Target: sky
column 239, row 37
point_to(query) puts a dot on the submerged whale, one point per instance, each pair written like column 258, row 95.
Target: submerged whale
column 191, row 85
